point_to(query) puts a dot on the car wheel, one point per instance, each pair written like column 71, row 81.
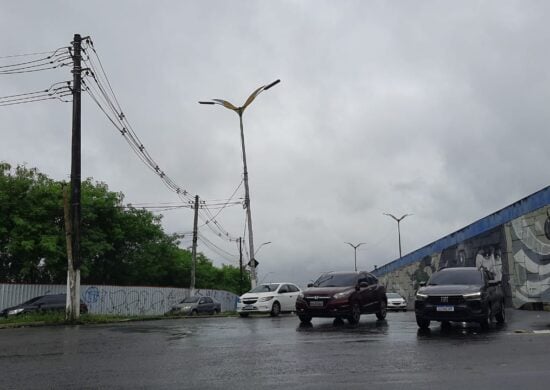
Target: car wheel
column 355, row 314
column 422, row 323
column 243, row 315
column 381, row 314
column 275, row 309
column 304, row 318
column 501, row 315
column 216, row 311
column 194, row 312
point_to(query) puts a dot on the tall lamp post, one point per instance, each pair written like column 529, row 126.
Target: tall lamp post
column 355, row 249
column 398, row 228
column 240, row 112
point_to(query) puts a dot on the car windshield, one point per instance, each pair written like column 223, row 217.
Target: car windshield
column 455, row 276
column 32, row 300
column 190, row 300
column 393, row 295
column 336, row 280
column 265, row 288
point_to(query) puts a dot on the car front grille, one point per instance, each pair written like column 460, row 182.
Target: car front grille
column 250, row 301
column 446, row 299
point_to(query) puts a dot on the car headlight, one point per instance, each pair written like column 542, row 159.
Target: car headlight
column 421, row 296
column 14, row 312
column 476, row 295
column 265, row 299
column 341, row 295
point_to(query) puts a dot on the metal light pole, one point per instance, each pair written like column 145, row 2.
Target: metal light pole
column 355, row 249
column 240, row 111
column 260, row 247
column 398, row 228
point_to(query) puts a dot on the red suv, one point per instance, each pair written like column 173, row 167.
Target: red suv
column 342, row 295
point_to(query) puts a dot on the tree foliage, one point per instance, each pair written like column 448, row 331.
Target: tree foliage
column 119, row 246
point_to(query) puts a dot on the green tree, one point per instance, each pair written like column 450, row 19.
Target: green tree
column 119, row 245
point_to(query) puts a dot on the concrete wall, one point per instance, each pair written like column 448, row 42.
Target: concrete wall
column 115, row 299
column 513, row 243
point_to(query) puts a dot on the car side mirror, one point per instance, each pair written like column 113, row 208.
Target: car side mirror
column 422, row 284
column 310, row 285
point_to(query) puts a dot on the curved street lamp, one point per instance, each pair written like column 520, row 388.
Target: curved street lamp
column 260, row 247
column 398, row 220
column 355, row 249
column 240, row 112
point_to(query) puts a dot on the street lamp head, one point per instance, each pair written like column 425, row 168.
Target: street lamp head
column 272, row 84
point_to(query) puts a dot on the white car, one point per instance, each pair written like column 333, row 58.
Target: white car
column 396, row 302
column 272, row 298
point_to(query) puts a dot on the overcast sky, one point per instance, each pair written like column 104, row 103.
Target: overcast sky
column 439, row 109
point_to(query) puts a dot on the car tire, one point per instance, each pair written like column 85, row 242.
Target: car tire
column 216, row 311
column 381, row 313
column 275, row 309
column 243, row 315
column 501, row 315
column 355, row 314
column 194, row 312
column 305, row 319
column 422, row 323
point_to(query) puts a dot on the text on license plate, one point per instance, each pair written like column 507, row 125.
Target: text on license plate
column 445, row 308
column 316, row 303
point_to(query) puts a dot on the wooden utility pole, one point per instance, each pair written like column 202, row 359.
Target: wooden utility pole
column 73, row 278
column 194, row 250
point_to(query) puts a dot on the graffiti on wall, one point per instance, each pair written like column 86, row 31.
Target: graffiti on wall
column 145, row 300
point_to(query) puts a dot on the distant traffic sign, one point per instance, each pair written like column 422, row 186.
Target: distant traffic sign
column 253, row 262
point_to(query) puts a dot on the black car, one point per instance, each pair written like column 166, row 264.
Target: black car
column 464, row 294
column 342, row 295
column 52, row 302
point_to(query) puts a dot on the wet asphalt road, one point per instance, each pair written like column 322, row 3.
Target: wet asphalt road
column 278, row 353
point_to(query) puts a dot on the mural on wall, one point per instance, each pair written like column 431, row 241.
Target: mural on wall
column 530, row 237
column 517, row 253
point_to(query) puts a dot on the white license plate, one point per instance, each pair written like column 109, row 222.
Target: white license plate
column 248, row 307
column 316, row 303
column 445, row 308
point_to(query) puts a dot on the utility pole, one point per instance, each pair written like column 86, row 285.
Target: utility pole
column 194, row 250
column 73, row 299
column 240, row 265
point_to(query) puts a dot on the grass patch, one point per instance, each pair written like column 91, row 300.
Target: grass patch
column 58, row 318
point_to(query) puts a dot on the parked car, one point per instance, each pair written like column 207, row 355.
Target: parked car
column 42, row 303
column 464, row 294
column 396, row 302
column 343, row 295
column 196, row 305
column 272, row 298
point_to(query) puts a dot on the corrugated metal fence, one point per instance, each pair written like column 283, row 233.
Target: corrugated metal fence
column 115, row 299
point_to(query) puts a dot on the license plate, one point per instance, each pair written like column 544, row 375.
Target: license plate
column 445, row 308
column 248, row 307
column 316, row 303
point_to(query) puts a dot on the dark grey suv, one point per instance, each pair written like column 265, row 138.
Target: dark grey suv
column 464, row 294
column 52, row 302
